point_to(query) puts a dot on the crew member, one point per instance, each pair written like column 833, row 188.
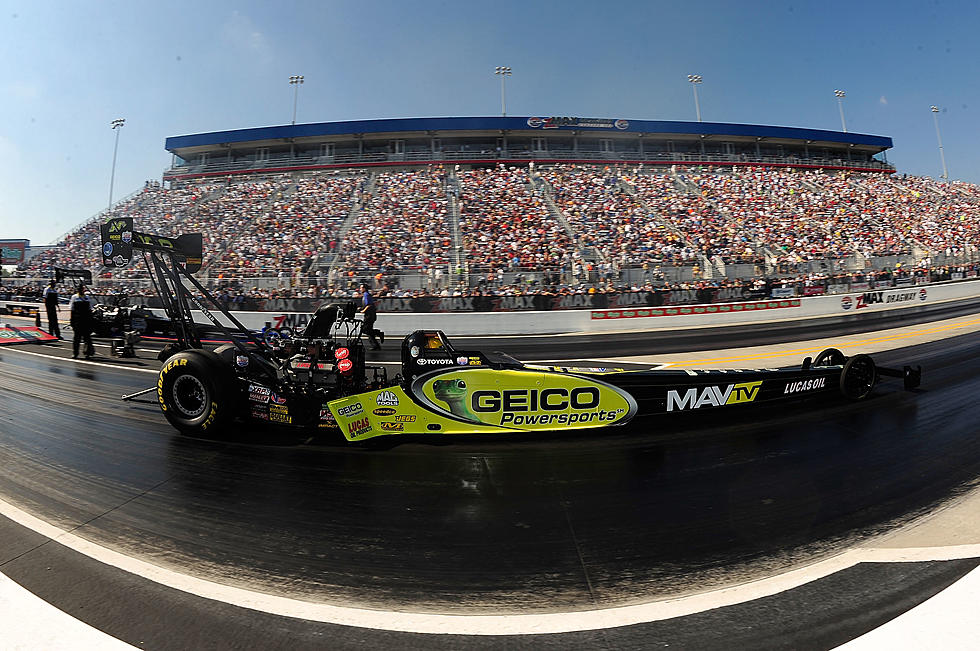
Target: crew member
column 370, row 312
column 81, row 322
column 51, row 303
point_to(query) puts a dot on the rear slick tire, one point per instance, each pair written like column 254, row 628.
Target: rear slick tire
column 194, row 389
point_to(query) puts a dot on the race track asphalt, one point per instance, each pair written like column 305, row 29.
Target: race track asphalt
column 479, row 526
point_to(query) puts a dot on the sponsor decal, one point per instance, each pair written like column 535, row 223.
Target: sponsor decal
column 556, row 122
column 107, row 249
column 120, row 261
column 463, row 361
column 23, row 335
column 405, row 418
column 805, row 385
column 392, row 427
column 241, row 360
column 526, row 400
column 923, row 294
column 384, row 411
column 387, row 399
column 342, row 353
column 475, row 361
column 280, row 418
column 846, row 302
column 713, row 396
column 279, row 409
column 127, row 236
column 291, row 321
column 326, row 416
column 260, row 413
column 345, row 365
column 434, row 362
column 358, row 427
column 279, row 400
column 868, row 299
column 414, row 351
column 350, row 410
column 259, row 389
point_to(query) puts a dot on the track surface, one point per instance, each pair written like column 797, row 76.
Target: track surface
column 488, row 526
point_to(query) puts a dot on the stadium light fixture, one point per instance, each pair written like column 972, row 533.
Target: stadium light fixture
column 695, row 80
column 939, row 137
column 116, row 125
column 504, row 72
column 295, row 81
column 840, row 105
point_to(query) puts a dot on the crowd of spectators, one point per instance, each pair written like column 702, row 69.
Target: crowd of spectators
column 585, row 223
column 403, row 222
column 505, row 223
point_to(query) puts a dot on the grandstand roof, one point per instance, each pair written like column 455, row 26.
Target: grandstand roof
column 188, row 145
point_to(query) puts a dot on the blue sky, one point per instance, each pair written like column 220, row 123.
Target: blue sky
column 179, row 67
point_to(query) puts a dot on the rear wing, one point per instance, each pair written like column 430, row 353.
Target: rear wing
column 119, row 239
column 83, row 275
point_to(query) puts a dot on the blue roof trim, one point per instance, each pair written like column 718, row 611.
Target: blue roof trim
column 517, row 124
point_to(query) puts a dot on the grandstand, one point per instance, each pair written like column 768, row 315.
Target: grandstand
column 443, row 203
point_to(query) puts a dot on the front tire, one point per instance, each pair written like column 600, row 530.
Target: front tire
column 195, row 391
column 859, row 377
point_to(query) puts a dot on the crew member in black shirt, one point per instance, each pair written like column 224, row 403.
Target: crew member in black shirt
column 51, row 304
column 81, row 322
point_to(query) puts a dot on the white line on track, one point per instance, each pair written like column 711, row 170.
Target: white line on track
column 118, row 367
column 533, row 624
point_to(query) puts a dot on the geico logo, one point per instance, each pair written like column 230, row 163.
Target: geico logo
column 151, row 240
column 713, row 396
column 350, row 410
column 600, row 416
column 533, row 399
column 434, row 362
column 358, row 425
column 805, row 385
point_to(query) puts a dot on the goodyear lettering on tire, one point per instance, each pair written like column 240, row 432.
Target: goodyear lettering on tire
column 169, row 366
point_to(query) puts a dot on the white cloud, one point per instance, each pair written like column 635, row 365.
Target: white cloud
column 240, row 33
column 883, row 100
column 22, row 90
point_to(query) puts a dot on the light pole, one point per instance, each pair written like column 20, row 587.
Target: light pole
column 295, row 80
column 939, row 137
column 116, row 126
column 840, row 105
column 504, row 72
column 695, row 80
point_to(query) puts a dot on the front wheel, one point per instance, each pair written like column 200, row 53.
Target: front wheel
column 858, row 377
column 195, row 391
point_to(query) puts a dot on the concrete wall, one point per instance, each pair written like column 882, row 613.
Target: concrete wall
column 584, row 321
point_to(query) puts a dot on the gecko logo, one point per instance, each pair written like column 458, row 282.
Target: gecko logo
column 695, row 398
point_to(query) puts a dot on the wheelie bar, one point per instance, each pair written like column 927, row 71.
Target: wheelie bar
column 912, row 377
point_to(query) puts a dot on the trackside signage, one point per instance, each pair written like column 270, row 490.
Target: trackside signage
column 884, row 298
column 722, row 308
column 524, row 400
